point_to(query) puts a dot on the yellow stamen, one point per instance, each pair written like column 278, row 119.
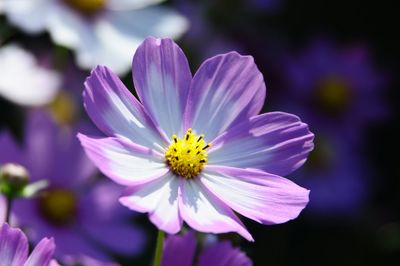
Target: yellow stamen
column 187, row 156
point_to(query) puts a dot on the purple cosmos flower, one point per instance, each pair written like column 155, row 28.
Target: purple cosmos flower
column 14, row 249
column 217, row 254
column 338, row 91
column 83, row 216
column 337, row 177
column 194, row 149
column 337, row 88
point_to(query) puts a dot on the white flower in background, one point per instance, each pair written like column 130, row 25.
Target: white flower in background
column 105, row 32
column 23, row 81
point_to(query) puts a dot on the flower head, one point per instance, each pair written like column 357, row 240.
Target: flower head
column 215, row 254
column 100, row 31
column 14, row 249
column 335, row 85
column 194, row 149
column 73, row 202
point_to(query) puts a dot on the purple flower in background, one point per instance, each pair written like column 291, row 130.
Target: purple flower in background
column 334, row 87
column 338, row 91
column 337, row 177
column 217, row 254
column 14, row 248
column 160, row 147
column 81, row 214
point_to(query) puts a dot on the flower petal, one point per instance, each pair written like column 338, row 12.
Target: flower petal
column 29, row 15
column 258, row 195
column 276, row 142
column 129, row 4
column 226, row 89
column 55, row 153
column 185, row 246
column 115, row 110
column 39, row 85
column 13, row 246
column 162, row 78
column 160, row 199
column 205, row 213
column 124, row 162
column 42, row 255
column 223, row 254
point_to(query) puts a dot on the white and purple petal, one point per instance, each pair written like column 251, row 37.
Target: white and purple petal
column 130, row 4
column 226, row 90
column 160, row 199
column 263, row 197
column 116, row 111
column 13, row 246
column 206, row 213
column 162, row 78
column 275, row 142
column 124, row 162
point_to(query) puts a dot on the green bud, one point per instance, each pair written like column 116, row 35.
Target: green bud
column 13, row 179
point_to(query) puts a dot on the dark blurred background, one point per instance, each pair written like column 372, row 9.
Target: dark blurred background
column 357, row 222
column 335, row 64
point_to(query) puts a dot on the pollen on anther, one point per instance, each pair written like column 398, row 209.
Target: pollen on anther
column 180, row 158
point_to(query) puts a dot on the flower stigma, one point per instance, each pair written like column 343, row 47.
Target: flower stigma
column 86, row 6
column 58, row 206
column 187, row 156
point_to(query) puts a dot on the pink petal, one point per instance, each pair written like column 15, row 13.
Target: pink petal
column 226, row 90
column 160, row 199
column 276, row 142
column 116, row 111
column 205, row 213
column 258, row 195
column 124, row 162
column 162, row 78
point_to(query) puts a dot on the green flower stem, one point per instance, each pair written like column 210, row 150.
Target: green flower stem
column 9, row 201
column 159, row 248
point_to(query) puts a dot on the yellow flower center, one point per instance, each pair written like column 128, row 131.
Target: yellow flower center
column 333, row 93
column 63, row 108
column 86, row 6
column 187, row 156
column 58, row 206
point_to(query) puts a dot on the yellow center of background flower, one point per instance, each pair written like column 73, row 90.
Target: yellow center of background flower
column 187, row 156
column 333, row 93
column 86, row 6
column 63, row 108
column 58, row 206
